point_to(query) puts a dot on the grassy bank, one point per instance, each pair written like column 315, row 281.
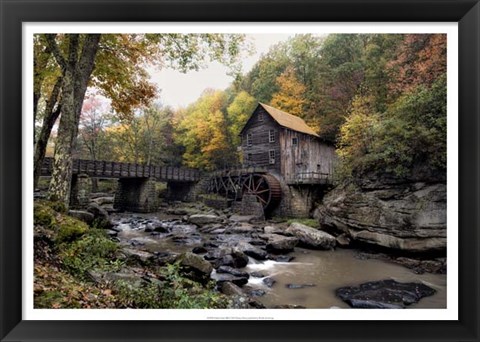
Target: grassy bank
column 68, row 253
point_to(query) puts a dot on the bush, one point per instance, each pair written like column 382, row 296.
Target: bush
column 94, row 251
column 175, row 292
column 69, row 229
column 410, row 136
column 43, row 215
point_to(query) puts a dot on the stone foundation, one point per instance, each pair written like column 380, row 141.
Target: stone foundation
column 298, row 201
column 250, row 206
column 180, row 191
column 216, row 203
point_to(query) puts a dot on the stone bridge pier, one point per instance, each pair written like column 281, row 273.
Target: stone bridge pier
column 181, row 191
column 136, row 194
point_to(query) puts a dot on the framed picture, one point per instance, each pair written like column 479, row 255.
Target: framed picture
column 455, row 23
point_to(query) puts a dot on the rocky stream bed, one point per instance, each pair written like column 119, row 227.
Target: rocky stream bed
column 263, row 264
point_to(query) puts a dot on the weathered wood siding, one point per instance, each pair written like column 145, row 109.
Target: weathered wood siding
column 258, row 153
column 310, row 154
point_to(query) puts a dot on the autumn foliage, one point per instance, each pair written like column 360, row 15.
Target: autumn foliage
column 380, row 98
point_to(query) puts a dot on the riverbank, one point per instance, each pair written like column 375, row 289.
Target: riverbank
column 77, row 266
column 221, row 260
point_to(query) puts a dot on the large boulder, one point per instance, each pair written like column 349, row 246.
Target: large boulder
column 227, row 257
column 273, row 230
column 241, row 228
column 137, row 257
column 203, row 219
column 82, row 215
column 384, row 294
column 103, row 200
column 233, row 271
column 310, row 237
column 227, row 277
column 251, row 250
column 101, row 218
column 403, row 216
column 279, row 244
column 241, row 218
column 195, row 267
column 231, row 289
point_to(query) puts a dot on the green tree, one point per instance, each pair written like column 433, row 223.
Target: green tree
column 238, row 113
column 408, row 139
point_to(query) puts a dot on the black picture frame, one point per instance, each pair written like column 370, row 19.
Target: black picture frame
column 14, row 13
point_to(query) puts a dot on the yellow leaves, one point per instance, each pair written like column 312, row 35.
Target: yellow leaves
column 203, row 131
column 107, row 292
column 357, row 134
column 238, row 113
column 291, row 96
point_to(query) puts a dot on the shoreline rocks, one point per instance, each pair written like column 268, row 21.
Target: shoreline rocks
column 310, row 237
column 409, row 216
column 279, row 244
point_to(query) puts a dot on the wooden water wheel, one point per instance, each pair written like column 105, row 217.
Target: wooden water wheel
column 265, row 187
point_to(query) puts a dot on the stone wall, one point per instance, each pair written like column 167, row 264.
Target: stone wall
column 299, row 200
column 250, row 206
column 217, row 202
column 179, row 191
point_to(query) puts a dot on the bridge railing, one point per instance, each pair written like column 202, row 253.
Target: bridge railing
column 109, row 169
column 310, row 177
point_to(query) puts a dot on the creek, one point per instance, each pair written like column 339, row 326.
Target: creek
column 309, row 280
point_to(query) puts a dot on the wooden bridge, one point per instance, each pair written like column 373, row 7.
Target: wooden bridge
column 109, row 169
column 136, row 189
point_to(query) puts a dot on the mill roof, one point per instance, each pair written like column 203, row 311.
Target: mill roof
column 288, row 120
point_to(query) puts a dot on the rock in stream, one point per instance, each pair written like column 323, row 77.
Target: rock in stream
column 384, row 294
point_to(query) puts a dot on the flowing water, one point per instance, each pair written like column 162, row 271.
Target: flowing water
column 321, row 271
column 329, row 270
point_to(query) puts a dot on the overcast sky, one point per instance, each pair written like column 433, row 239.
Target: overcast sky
column 178, row 89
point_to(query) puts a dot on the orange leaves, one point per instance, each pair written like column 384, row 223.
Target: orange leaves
column 56, row 289
column 421, row 59
column 107, row 292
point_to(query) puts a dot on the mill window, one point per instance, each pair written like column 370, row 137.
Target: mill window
column 249, row 139
column 271, row 156
column 295, row 141
column 271, row 135
column 260, row 116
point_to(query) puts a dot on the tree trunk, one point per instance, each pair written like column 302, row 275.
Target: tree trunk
column 39, row 64
column 41, row 145
column 51, row 116
column 75, row 82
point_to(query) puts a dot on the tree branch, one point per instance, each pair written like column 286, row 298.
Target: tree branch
column 73, row 49
column 53, row 99
column 52, row 44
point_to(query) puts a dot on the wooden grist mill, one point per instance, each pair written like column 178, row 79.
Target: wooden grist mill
column 283, row 162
